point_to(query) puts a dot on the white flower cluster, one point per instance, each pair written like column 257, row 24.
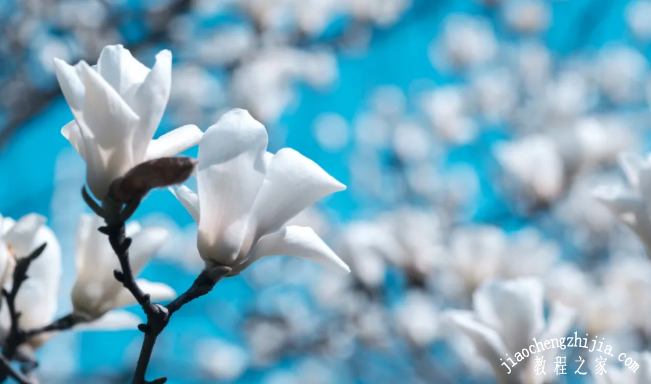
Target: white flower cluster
column 245, row 198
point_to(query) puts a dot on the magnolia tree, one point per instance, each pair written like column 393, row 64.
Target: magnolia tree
column 245, row 197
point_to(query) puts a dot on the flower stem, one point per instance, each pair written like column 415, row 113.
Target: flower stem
column 16, row 335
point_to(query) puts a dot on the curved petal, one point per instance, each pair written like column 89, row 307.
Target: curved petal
column 71, row 84
column 229, row 176
column 174, row 142
column 149, row 101
column 120, row 69
column 157, row 291
column 189, row 199
column 300, row 242
column 144, row 245
column 513, row 308
column 72, row 132
column 110, row 122
column 487, row 342
column 115, row 320
column 293, row 182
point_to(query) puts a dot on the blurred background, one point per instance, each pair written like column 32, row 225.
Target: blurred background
column 470, row 134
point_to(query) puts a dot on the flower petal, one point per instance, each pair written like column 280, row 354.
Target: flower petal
column 189, row 199
column 72, row 133
column 229, row 176
column 144, row 245
column 174, row 142
column 71, row 84
column 21, row 235
column 293, row 182
column 621, row 202
column 115, row 320
column 149, row 101
column 487, row 342
column 513, row 308
column 300, row 242
column 120, row 69
column 157, row 291
column 111, row 122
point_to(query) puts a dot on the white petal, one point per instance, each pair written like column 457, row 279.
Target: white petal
column 300, row 242
column 20, row 237
column 71, row 84
column 120, row 69
column 174, row 142
column 115, row 320
column 487, row 342
column 144, row 245
column 157, row 291
column 189, row 199
column 513, row 308
column 293, row 182
column 149, row 101
column 631, row 164
column 230, row 173
column 72, row 132
column 111, row 122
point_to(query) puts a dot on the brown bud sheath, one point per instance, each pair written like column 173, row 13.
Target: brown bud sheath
column 151, row 174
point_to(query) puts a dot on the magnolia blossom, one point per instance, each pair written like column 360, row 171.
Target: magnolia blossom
column 507, row 315
column 96, row 291
column 630, row 205
column 246, row 195
column 536, row 163
column 37, row 297
column 117, row 106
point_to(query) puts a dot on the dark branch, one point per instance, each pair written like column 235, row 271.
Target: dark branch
column 11, row 371
column 16, row 334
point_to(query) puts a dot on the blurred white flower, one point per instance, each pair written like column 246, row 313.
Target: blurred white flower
column 495, row 94
column 638, row 14
column 631, row 205
column 221, row 360
column 118, row 105
column 621, row 73
column 246, row 195
column 528, row 16
column 536, row 163
column 448, row 111
column 264, row 84
column 331, row 131
column 476, row 253
column 96, row 291
column 418, row 318
column 506, row 316
column 37, row 298
column 600, row 308
column 466, row 41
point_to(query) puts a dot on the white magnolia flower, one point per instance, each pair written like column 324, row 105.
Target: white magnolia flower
column 246, row 195
column 96, row 292
column 536, row 163
column 507, row 316
column 631, row 205
column 118, row 105
column 37, row 297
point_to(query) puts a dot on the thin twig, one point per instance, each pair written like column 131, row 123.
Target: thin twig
column 11, row 371
column 16, row 335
